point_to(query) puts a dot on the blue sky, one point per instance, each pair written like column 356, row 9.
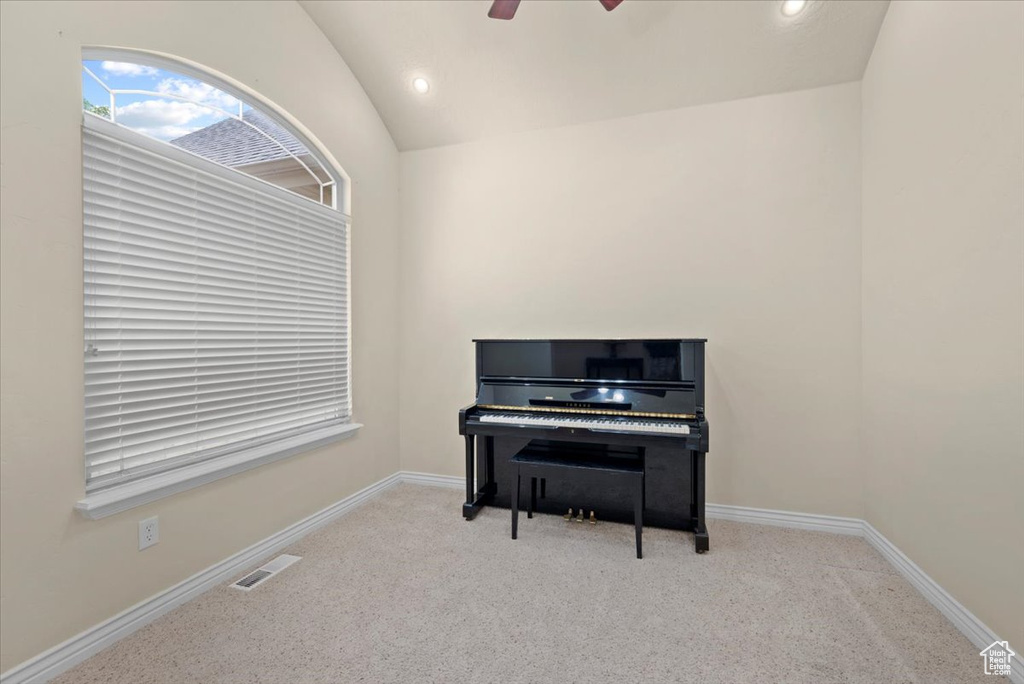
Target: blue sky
column 156, row 115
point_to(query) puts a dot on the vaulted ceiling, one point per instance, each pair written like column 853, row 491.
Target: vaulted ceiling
column 563, row 62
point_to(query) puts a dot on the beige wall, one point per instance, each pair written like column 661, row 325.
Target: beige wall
column 739, row 222
column 943, row 302
column 60, row 573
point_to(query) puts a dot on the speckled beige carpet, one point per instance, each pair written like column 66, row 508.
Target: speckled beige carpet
column 404, row 590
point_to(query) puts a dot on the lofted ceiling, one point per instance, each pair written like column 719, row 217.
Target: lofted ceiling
column 563, row 62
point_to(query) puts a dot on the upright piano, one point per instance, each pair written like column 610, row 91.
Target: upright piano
column 639, row 400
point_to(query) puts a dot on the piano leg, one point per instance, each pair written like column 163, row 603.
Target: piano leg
column 470, row 457
column 700, row 532
column 515, row 507
column 638, row 514
column 476, row 500
column 488, row 488
column 470, row 509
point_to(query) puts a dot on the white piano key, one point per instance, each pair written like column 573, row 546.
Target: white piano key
column 586, row 423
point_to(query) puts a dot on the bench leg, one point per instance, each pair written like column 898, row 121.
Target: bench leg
column 515, row 508
column 638, row 515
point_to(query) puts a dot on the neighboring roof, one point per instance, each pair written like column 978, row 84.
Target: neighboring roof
column 232, row 143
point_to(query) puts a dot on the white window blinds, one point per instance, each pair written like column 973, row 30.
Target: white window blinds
column 216, row 309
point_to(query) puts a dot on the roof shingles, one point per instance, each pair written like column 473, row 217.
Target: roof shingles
column 232, row 143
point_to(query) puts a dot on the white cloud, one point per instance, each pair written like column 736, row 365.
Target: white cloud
column 197, row 91
column 127, row 69
column 161, row 119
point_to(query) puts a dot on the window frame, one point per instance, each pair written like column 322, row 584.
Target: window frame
column 146, row 488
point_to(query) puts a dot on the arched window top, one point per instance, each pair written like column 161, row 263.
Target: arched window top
column 200, row 115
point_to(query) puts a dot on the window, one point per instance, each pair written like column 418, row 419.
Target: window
column 216, row 278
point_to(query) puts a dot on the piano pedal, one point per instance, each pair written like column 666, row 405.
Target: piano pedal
column 579, row 518
column 593, row 518
column 567, row 516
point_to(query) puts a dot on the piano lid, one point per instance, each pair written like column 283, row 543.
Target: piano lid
column 581, row 339
column 642, row 361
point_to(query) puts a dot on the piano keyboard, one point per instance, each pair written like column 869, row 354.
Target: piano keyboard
column 618, row 425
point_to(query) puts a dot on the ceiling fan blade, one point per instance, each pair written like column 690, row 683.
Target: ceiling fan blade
column 611, row 4
column 505, row 9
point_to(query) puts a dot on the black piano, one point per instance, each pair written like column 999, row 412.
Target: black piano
column 637, row 400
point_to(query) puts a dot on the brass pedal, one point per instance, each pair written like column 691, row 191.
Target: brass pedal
column 568, row 516
column 593, row 518
column 579, row 518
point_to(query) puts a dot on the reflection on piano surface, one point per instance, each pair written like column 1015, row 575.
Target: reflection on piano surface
column 641, row 400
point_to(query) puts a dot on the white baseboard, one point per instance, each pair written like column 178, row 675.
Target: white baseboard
column 431, row 480
column 63, row 657
column 798, row 521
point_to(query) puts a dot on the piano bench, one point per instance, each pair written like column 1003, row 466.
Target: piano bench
column 546, row 463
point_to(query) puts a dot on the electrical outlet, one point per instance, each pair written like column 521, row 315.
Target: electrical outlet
column 149, row 532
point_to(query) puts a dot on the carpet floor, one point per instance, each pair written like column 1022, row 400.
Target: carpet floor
column 403, row 590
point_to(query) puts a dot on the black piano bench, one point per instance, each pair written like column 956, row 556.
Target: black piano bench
column 594, row 467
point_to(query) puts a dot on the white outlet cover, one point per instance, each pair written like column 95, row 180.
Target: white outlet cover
column 149, row 532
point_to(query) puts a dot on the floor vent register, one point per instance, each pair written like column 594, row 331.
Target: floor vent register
column 261, row 575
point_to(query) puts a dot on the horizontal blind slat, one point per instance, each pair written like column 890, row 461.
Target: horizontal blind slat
column 143, row 442
column 102, row 415
column 162, row 372
column 110, row 284
column 127, row 426
column 110, row 472
column 222, row 444
column 184, row 230
column 101, row 392
column 136, row 250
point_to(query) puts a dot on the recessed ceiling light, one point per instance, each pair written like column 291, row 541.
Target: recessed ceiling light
column 791, row 8
column 420, row 85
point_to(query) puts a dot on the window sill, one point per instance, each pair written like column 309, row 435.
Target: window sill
column 149, row 489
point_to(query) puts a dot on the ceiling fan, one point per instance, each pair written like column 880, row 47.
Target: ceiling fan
column 506, row 9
